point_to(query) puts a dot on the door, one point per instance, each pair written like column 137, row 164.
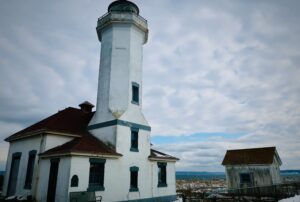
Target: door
column 52, row 180
column 13, row 176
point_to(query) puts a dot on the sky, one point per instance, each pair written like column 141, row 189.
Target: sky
column 217, row 75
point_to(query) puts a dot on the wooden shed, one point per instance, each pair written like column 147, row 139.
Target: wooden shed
column 253, row 167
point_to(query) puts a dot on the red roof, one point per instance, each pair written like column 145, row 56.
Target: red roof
column 250, row 156
column 85, row 144
column 70, row 120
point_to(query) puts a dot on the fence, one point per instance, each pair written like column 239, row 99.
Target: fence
column 273, row 192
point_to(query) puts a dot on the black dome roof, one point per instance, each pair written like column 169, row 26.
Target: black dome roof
column 123, row 6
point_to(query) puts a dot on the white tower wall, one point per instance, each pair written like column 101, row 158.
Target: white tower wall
column 122, row 36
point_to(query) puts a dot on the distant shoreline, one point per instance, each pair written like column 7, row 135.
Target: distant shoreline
column 190, row 175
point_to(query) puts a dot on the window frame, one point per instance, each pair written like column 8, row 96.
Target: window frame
column 135, row 93
column 96, row 186
column 162, row 179
column 134, row 185
column 30, row 169
column 134, row 147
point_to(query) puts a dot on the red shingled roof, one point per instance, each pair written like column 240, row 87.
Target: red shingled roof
column 70, row 120
column 250, row 156
column 85, row 144
column 154, row 154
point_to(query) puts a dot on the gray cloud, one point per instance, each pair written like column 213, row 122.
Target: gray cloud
column 208, row 67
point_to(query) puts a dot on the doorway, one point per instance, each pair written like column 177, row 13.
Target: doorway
column 52, row 180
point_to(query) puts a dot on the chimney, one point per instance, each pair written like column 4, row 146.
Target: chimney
column 86, row 107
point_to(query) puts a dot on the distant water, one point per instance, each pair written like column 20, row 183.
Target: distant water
column 186, row 175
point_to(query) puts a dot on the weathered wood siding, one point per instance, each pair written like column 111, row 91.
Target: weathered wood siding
column 262, row 175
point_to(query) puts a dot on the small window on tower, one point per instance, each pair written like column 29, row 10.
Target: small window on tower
column 135, row 93
column 134, row 179
column 134, row 140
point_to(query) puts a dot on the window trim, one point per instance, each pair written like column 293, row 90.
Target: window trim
column 135, row 85
column 31, row 156
column 159, row 166
column 97, row 187
column 134, row 130
column 134, row 169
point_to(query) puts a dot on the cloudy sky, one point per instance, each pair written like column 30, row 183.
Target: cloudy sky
column 217, row 75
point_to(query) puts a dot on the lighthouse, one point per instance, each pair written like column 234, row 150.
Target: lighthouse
column 122, row 33
column 77, row 154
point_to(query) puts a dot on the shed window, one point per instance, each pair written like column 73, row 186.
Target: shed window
column 134, row 178
column 74, row 181
column 96, row 178
column 245, row 178
column 162, row 174
column 30, row 168
column 134, row 140
column 135, row 93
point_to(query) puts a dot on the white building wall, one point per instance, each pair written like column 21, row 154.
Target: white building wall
column 24, row 146
column 117, row 179
column 40, row 143
column 55, row 140
column 62, row 187
column 42, row 184
column 106, row 135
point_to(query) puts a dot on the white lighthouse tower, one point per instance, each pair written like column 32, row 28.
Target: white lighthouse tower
column 118, row 120
column 122, row 33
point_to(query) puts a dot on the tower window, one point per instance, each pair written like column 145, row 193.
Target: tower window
column 30, row 167
column 162, row 174
column 96, row 178
column 134, row 140
column 134, row 178
column 135, row 93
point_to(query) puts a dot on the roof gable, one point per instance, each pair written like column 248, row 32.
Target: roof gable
column 70, row 121
column 252, row 156
column 86, row 144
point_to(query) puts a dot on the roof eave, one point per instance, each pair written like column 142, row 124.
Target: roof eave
column 39, row 132
column 163, row 159
column 266, row 164
column 86, row 154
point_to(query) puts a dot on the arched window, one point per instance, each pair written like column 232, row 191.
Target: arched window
column 74, row 181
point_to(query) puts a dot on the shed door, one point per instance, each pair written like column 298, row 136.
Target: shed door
column 52, row 180
column 13, row 176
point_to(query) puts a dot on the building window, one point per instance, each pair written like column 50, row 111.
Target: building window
column 74, row 181
column 30, row 168
column 134, row 140
column 245, row 178
column 14, row 171
column 96, row 178
column 134, row 179
column 162, row 174
column 135, row 93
